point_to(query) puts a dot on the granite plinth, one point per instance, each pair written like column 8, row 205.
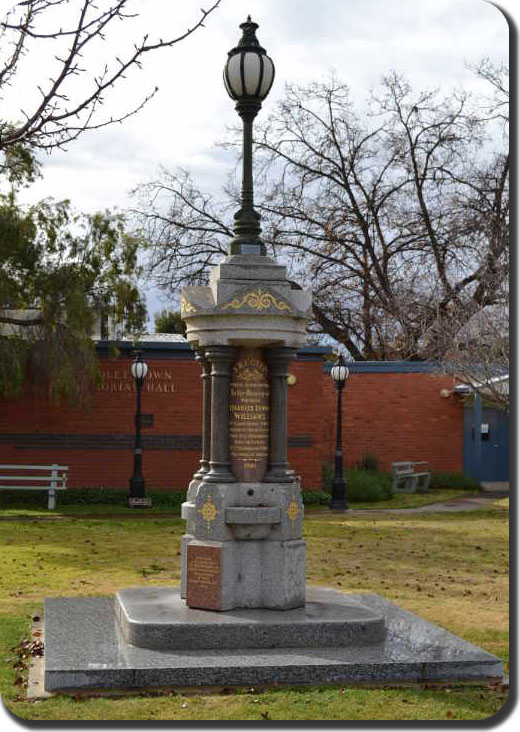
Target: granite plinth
column 85, row 650
column 157, row 618
column 231, row 501
column 252, row 574
column 258, row 528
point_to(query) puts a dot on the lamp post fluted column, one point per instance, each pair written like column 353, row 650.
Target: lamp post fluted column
column 246, row 221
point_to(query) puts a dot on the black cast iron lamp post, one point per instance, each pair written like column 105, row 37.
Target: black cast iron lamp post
column 137, row 498
column 339, row 373
column 248, row 77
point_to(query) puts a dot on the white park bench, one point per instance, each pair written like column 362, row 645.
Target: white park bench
column 411, row 477
column 49, row 478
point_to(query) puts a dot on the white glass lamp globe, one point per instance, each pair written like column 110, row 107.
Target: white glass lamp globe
column 339, row 371
column 139, row 370
column 249, row 72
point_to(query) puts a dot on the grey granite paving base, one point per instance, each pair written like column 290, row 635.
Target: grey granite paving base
column 85, row 650
column 157, row 618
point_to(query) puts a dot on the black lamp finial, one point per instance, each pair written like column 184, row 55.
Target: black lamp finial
column 249, row 33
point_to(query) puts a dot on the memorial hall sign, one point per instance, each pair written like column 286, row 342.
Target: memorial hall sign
column 119, row 380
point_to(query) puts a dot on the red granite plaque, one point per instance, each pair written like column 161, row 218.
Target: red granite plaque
column 203, row 577
column 249, row 416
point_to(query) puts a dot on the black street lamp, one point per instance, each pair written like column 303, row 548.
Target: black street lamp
column 339, row 373
column 137, row 497
column 248, row 77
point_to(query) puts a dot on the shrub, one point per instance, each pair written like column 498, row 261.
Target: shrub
column 327, row 471
column 363, row 486
column 315, row 498
column 369, row 462
column 90, row 497
column 367, row 486
column 454, row 481
column 108, row 496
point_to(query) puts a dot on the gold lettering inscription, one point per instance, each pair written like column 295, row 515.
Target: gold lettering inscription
column 203, row 577
column 249, row 416
column 205, row 569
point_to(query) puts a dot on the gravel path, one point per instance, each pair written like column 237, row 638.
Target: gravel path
column 469, row 503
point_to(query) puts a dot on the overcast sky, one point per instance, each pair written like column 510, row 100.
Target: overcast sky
column 431, row 41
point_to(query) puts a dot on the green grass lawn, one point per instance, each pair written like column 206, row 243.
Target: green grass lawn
column 450, row 568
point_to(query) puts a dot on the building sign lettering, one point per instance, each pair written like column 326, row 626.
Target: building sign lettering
column 119, row 380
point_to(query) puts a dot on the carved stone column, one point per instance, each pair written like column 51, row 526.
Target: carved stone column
column 220, row 358
column 278, row 360
column 206, row 414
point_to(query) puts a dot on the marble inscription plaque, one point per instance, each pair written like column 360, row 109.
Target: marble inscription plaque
column 203, row 577
column 249, row 416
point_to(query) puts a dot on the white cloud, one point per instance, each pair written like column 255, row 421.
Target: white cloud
column 429, row 40
column 361, row 39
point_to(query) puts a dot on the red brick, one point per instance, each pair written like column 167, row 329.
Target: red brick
column 397, row 416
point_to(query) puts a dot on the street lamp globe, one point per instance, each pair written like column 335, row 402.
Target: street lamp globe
column 139, row 368
column 249, row 72
column 339, row 372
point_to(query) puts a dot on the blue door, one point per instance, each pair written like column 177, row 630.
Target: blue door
column 486, row 443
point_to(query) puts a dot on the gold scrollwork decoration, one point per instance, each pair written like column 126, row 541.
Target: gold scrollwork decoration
column 187, row 307
column 258, row 300
column 250, row 370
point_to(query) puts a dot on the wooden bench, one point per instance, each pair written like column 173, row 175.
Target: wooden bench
column 411, row 477
column 49, row 478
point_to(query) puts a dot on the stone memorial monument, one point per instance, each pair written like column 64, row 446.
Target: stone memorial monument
column 243, row 545
column 243, row 615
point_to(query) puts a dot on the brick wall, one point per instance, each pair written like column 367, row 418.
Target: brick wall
column 397, row 416
column 97, row 444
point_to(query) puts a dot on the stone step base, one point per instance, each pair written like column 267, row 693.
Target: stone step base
column 157, row 618
column 85, row 651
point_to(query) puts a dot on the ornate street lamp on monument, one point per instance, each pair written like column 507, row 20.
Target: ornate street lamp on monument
column 137, row 497
column 248, row 77
column 339, row 373
column 244, row 508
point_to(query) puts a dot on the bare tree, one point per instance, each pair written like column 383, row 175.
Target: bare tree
column 397, row 218
column 495, row 105
column 479, row 356
column 60, row 271
column 185, row 227
column 70, row 101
